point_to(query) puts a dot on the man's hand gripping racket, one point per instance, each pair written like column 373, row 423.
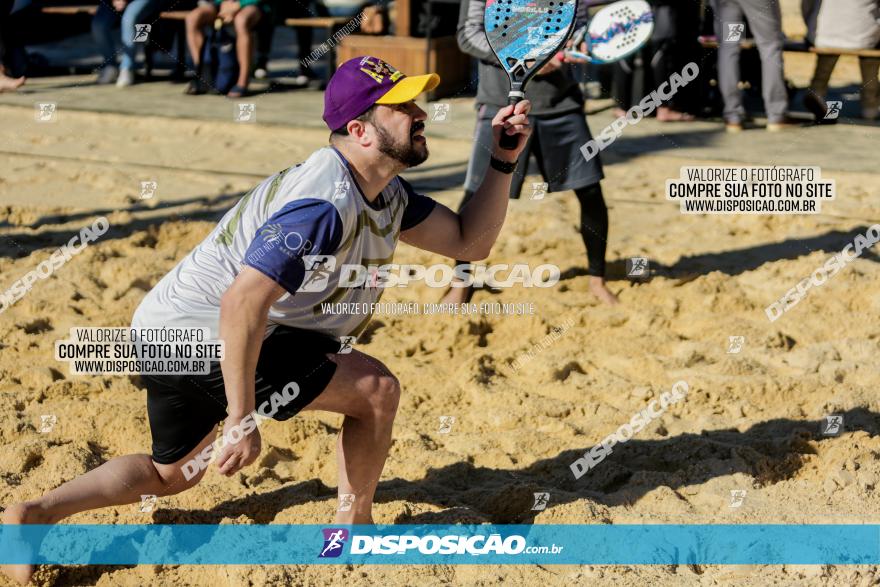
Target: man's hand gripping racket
column 524, row 35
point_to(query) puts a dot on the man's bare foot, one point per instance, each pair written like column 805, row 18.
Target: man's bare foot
column 667, row 114
column 458, row 295
column 20, row 513
column 10, row 84
column 601, row 291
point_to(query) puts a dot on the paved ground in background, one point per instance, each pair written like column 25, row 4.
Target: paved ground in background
column 849, row 145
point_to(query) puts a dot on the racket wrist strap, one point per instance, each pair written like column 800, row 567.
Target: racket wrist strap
column 507, row 167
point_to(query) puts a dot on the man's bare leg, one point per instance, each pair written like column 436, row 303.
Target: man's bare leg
column 367, row 394
column 197, row 18
column 119, row 481
column 245, row 21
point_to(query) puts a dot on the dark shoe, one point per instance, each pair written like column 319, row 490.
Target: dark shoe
column 196, row 87
column 816, row 106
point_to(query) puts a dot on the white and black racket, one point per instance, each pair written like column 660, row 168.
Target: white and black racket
column 616, row 31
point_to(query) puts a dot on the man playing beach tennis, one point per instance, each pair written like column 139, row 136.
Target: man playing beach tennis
column 254, row 281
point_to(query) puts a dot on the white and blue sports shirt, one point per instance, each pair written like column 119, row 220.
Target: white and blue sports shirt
column 313, row 208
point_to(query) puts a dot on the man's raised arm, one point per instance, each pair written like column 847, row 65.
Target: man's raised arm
column 470, row 234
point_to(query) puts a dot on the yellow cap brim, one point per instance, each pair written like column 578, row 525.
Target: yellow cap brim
column 409, row 88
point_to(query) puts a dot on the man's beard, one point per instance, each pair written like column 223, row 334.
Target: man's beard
column 409, row 154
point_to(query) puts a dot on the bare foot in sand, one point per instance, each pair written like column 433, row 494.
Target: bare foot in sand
column 458, row 295
column 10, row 84
column 20, row 513
column 601, row 291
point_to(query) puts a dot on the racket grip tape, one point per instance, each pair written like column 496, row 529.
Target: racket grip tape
column 509, row 142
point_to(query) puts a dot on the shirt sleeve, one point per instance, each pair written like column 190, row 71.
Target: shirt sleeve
column 300, row 228
column 471, row 34
column 418, row 207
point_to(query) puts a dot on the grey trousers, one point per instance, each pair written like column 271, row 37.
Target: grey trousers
column 765, row 22
column 870, row 92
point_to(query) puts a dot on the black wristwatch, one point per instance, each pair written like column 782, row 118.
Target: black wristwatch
column 502, row 166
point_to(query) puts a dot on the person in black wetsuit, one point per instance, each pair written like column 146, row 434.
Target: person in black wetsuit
column 559, row 131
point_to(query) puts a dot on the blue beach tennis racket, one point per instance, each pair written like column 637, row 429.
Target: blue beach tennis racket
column 525, row 35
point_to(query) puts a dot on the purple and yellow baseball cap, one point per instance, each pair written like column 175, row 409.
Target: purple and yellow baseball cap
column 363, row 81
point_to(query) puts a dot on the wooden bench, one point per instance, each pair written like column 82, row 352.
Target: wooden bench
column 176, row 16
column 322, row 22
column 69, row 10
column 331, row 24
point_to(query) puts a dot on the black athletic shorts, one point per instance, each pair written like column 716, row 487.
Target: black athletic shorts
column 184, row 408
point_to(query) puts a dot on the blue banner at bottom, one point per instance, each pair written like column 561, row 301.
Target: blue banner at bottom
column 441, row 544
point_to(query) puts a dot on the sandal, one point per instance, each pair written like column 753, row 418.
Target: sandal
column 237, row 92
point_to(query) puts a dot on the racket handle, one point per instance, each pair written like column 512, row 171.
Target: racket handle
column 509, row 142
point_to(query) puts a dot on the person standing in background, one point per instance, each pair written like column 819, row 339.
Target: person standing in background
column 843, row 24
column 765, row 22
column 559, row 131
column 7, row 83
column 659, row 57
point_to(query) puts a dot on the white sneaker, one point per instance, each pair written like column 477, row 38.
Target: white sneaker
column 107, row 75
column 125, row 79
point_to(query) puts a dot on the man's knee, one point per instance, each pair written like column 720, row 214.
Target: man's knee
column 383, row 395
column 198, row 17
column 179, row 477
column 245, row 21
